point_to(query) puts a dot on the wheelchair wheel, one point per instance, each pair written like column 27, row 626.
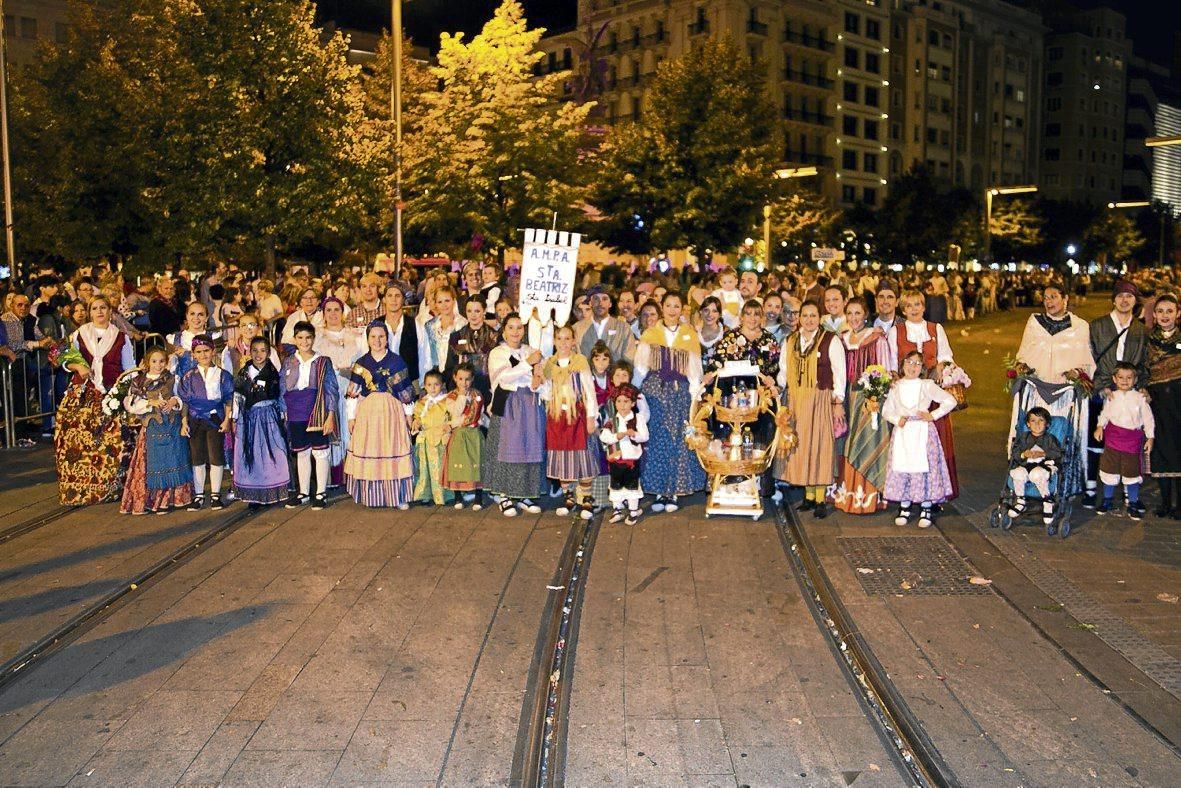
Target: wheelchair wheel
column 1064, row 529
column 1051, row 529
column 994, row 517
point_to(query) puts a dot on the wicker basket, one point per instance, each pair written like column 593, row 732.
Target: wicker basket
column 745, row 415
column 715, row 464
column 960, row 393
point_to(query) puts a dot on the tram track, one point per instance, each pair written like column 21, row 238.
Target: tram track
column 540, row 754
column 35, row 523
column 914, row 754
column 29, row 658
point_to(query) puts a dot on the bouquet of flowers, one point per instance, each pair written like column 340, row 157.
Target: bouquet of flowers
column 1015, row 373
column 875, row 384
column 1084, row 386
column 113, row 399
column 956, row 382
column 62, row 354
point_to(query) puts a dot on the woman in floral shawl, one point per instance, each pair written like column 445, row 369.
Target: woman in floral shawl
column 668, row 372
column 89, row 442
column 861, row 471
column 571, row 417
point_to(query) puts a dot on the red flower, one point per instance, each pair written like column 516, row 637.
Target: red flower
column 1012, row 373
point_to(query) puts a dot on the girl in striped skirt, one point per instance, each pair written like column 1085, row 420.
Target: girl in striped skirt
column 571, row 419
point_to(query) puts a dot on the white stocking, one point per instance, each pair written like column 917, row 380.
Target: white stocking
column 323, row 465
column 215, row 472
column 303, row 465
column 198, row 480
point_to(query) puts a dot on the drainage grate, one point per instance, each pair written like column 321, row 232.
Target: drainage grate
column 909, row 566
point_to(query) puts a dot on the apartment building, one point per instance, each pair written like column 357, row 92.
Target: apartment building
column 1087, row 56
column 27, row 22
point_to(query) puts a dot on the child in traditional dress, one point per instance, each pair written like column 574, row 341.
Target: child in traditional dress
column 310, row 398
column 461, row 458
column 571, row 416
column 160, row 476
column 262, row 473
column 730, row 297
column 1127, row 428
column 624, row 436
column 1032, row 459
column 430, row 425
column 600, row 361
column 207, row 392
column 918, row 470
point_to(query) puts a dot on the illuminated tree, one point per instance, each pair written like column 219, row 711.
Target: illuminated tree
column 495, row 152
column 1115, row 235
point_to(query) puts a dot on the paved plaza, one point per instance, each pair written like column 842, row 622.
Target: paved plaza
column 356, row 646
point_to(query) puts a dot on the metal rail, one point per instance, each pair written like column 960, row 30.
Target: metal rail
column 33, row 523
column 28, row 659
column 913, row 750
column 539, row 758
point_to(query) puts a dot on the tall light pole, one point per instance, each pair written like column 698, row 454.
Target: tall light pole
column 781, row 174
column 996, row 191
column 396, row 111
column 9, row 234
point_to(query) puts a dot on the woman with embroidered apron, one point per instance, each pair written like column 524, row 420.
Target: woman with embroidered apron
column 514, row 450
column 342, row 345
column 812, row 372
column 262, row 473
column 930, row 340
column 668, row 373
column 862, row 467
column 1164, row 387
column 89, row 444
column 379, row 467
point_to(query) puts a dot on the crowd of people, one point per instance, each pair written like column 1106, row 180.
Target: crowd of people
column 407, row 388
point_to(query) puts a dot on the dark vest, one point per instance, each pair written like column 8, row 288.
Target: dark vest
column 823, row 362
column 112, row 362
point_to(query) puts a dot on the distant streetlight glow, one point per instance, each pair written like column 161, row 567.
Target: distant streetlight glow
column 1131, row 204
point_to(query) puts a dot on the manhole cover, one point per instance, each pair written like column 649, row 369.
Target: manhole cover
column 909, row 566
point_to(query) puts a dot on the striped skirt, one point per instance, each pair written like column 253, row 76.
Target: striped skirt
column 379, row 467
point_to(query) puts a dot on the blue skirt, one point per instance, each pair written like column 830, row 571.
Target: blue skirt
column 668, row 467
column 265, row 477
column 167, row 458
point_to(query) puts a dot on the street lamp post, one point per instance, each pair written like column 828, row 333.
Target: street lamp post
column 989, row 193
column 5, row 151
column 396, row 111
column 781, row 174
column 1160, row 216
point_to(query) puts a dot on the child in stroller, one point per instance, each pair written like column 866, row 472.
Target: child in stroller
column 1033, row 459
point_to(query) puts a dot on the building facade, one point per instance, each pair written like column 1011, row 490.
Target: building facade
column 1087, row 56
column 28, row 22
column 864, row 89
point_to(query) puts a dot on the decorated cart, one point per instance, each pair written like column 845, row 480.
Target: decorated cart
column 736, row 431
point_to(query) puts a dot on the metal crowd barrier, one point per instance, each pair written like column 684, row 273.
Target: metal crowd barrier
column 32, row 390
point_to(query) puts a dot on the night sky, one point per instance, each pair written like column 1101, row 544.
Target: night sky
column 1152, row 33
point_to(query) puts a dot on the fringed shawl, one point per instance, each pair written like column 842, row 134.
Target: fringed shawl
column 569, row 385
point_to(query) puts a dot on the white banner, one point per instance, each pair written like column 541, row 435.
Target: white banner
column 549, row 272
column 824, row 253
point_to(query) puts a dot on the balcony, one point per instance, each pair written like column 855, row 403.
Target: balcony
column 659, row 37
column 803, row 116
column 755, row 27
column 799, row 157
column 812, row 42
column 698, row 28
column 804, row 78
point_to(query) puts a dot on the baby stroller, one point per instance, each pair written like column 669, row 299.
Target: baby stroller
column 1068, row 423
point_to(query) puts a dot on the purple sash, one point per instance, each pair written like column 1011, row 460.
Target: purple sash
column 1123, row 439
column 300, row 403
